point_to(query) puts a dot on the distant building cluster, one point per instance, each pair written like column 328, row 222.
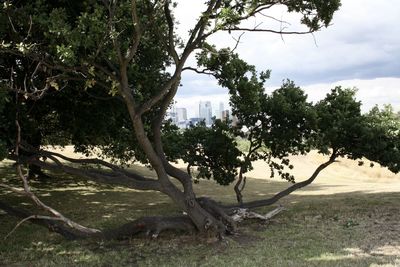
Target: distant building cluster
column 179, row 117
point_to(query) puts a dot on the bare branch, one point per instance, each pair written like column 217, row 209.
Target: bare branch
column 273, row 18
column 118, row 176
column 130, row 180
column 171, row 45
column 241, row 214
column 163, row 92
column 204, row 71
column 110, row 5
column 30, row 28
column 289, row 190
column 237, row 41
column 95, row 161
column 31, row 195
column 197, row 32
column 137, row 33
column 105, row 71
column 30, row 218
column 11, row 23
column 269, row 30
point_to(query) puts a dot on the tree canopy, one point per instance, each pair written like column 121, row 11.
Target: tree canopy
column 103, row 74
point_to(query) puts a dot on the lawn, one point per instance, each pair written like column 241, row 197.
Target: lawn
column 320, row 227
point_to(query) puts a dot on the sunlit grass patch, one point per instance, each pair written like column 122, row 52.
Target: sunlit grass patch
column 349, row 229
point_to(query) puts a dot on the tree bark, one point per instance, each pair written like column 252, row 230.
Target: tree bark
column 53, row 226
column 241, row 182
column 289, row 190
column 151, row 226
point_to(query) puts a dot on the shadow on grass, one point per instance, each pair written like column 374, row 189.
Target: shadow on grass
column 345, row 229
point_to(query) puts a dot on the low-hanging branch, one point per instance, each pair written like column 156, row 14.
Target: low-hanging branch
column 289, row 190
column 130, row 180
column 55, row 215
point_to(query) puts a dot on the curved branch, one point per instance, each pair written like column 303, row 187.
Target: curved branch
column 52, row 225
column 269, row 30
column 117, row 176
column 130, row 180
column 152, row 226
column 171, row 45
column 289, row 190
column 183, row 177
column 205, row 71
column 137, row 33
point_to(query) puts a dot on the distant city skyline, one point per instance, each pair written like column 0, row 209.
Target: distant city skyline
column 360, row 49
column 192, row 109
column 183, row 117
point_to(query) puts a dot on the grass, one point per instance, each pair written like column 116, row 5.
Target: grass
column 340, row 229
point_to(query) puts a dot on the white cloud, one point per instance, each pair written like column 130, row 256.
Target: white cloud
column 379, row 91
column 361, row 48
column 362, row 42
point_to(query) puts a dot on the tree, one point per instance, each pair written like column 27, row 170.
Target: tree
column 128, row 51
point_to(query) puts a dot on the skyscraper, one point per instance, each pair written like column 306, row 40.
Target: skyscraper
column 205, row 111
column 221, row 109
column 181, row 114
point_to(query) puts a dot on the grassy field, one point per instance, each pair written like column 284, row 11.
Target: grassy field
column 349, row 217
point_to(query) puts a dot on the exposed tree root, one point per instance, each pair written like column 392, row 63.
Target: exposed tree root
column 242, row 214
column 151, row 226
column 219, row 213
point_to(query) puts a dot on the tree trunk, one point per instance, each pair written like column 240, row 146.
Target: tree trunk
column 239, row 186
column 35, row 171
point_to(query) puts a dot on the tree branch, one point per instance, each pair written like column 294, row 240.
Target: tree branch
column 204, row 71
column 269, row 30
column 289, row 190
column 137, row 33
column 27, row 191
column 116, row 177
column 30, row 218
column 171, row 45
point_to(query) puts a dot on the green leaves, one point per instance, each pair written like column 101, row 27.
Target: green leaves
column 289, row 121
column 316, row 13
column 339, row 121
column 244, row 85
column 213, row 151
column 65, row 54
column 381, row 137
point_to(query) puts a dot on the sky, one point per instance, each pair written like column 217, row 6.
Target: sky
column 361, row 48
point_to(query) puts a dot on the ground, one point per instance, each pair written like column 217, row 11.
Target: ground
column 350, row 216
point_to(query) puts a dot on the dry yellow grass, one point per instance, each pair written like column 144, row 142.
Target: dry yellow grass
column 341, row 177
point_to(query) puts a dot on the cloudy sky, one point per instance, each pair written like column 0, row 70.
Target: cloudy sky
column 360, row 49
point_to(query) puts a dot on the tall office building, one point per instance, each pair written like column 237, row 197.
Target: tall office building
column 225, row 115
column 181, row 114
column 205, row 111
column 220, row 110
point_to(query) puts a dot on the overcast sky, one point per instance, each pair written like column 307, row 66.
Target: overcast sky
column 360, row 49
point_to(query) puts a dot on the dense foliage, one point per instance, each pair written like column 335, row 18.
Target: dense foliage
column 103, row 74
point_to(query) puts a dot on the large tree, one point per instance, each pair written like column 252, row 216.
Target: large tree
column 117, row 65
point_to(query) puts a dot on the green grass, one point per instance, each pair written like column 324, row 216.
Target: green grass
column 354, row 229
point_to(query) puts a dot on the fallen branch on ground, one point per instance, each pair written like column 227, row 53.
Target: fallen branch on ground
column 242, row 214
